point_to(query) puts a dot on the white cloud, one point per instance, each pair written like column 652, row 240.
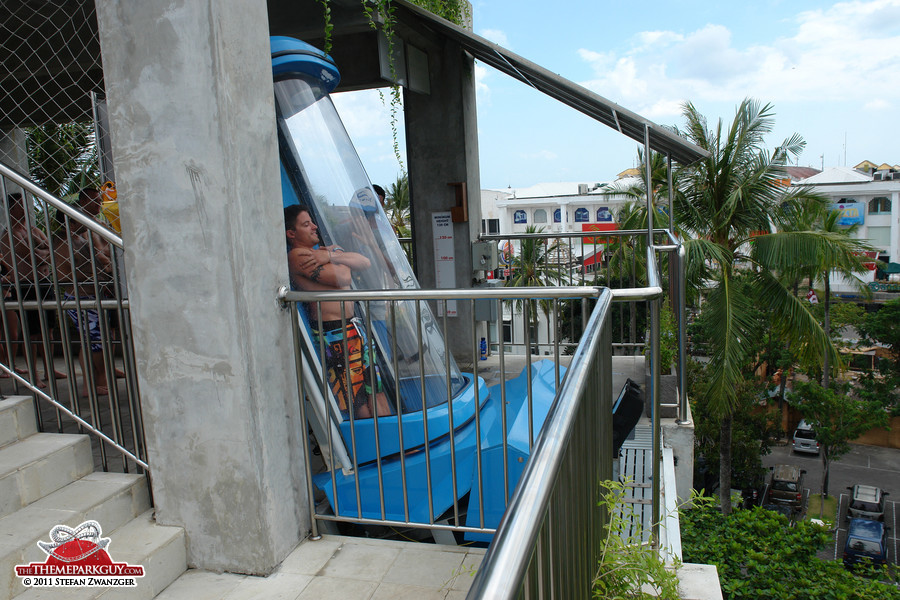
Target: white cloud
column 482, row 91
column 847, row 51
column 877, row 104
column 652, row 38
column 495, row 35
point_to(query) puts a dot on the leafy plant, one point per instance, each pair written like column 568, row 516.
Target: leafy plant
column 62, row 158
column 629, row 568
column 759, row 555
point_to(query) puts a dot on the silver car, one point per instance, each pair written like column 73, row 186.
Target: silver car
column 866, row 502
column 805, row 439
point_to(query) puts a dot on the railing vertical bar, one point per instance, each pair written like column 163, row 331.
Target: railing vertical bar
column 556, row 342
column 345, row 344
column 450, row 407
column 324, row 390
column 681, row 316
column 529, row 397
column 48, row 287
column 64, row 329
column 479, row 473
column 304, row 432
column 654, row 394
column 503, row 415
column 398, row 404
column 648, row 182
column 369, row 349
column 424, row 402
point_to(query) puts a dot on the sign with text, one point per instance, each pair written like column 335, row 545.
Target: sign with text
column 852, row 213
column 444, row 258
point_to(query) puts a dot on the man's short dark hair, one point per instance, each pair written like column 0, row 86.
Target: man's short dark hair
column 290, row 214
column 379, row 190
column 85, row 195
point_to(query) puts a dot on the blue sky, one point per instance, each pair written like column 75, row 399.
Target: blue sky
column 831, row 70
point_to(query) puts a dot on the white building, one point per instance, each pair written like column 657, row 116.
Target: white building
column 563, row 207
column 555, row 208
column 870, row 196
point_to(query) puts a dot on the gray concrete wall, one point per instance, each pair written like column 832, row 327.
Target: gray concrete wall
column 442, row 148
column 190, row 96
column 680, row 438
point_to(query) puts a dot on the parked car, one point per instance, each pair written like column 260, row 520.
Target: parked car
column 866, row 539
column 786, row 486
column 805, row 439
column 866, row 502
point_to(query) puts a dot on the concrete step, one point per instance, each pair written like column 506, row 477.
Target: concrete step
column 17, row 420
column 111, row 499
column 160, row 550
column 39, row 465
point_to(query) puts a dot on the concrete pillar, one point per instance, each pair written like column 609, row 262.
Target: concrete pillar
column 442, row 149
column 191, row 109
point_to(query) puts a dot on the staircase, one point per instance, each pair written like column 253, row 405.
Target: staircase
column 48, row 479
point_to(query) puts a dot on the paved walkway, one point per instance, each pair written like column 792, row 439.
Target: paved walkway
column 344, row 568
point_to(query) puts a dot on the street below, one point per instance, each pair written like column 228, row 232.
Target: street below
column 870, row 465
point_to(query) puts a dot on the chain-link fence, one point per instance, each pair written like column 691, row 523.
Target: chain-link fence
column 52, row 79
column 64, row 325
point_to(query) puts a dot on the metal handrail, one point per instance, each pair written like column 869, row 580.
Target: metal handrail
column 488, row 237
column 84, row 284
column 108, row 234
column 505, row 565
column 564, row 292
column 75, row 417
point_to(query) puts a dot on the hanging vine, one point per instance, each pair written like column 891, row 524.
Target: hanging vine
column 455, row 11
column 329, row 26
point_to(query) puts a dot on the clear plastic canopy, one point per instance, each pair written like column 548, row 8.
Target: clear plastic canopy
column 321, row 170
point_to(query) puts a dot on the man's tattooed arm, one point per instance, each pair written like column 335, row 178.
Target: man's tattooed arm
column 317, row 273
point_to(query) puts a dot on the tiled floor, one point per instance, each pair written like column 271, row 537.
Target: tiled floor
column 345, row 568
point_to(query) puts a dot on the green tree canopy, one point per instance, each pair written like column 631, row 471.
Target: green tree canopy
column 837, row 418
column 759, row 555
column 727, row 202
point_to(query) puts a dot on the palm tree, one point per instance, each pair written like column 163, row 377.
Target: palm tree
column 531, row 267
column 397, row 205
column 62, row 158
column 727, row 200
column 843, row 256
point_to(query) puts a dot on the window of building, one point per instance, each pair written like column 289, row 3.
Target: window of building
column 490, row 226
column 540, row 215
column 879, row 205
column 520, row 217
column 557, row 216
column 604, row 215
column 507, row 331
column 582, row 215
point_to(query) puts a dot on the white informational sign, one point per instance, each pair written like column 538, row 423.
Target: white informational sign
column 444, row 258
